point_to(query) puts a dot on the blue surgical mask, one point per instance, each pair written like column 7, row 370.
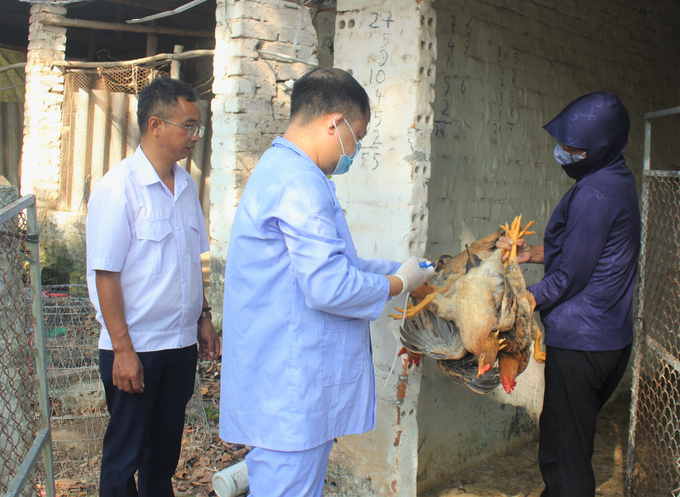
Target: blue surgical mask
column 345, row 161
column 565, row 158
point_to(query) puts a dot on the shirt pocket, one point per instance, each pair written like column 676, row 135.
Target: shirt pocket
column 342, row 351
column 150, row 235
column 194, row 238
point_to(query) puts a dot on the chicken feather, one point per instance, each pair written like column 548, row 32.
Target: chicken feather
column 477, row 309
column 433, row 336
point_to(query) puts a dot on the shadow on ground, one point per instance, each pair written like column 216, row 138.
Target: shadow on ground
column 516, row 474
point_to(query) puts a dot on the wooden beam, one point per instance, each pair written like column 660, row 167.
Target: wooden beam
column 158, row 5
column 160, row 58
column 19, row 65
column 51, row 20
column 192, row 15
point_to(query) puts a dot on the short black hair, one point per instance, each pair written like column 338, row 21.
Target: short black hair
column 325, row 89
column 159, row 98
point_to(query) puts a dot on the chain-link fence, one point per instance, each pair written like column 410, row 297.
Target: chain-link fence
column 78, row 405
column 20, row 371
column 654, row 452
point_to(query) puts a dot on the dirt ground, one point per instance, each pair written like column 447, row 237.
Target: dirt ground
column 514, row 475
column 517, row 475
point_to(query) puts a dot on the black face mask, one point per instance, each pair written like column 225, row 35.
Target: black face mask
column 577, row 170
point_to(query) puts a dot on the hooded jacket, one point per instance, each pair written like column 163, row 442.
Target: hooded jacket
column 592, row 240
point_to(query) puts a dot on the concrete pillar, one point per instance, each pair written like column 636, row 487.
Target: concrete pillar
column 390, row 48
column 41, row 158
column 251, row 104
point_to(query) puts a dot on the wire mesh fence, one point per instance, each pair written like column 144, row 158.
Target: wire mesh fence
column 654, row 452
column 99, row 119
column 99, row 127
column 11, row 136
column 78, row 405
column 19, row 418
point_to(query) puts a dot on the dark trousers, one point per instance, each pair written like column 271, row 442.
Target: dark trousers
column 577, row 385
column 145, row 430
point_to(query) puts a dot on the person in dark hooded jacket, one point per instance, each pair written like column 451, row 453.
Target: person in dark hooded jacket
column 585, row 298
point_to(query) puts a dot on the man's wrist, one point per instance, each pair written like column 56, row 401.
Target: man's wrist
column 205, row 313
column 404, row 284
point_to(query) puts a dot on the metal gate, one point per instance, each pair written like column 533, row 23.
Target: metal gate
column 24, row 403
column 654, row 443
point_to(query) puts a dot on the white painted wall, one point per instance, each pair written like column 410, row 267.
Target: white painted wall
column 505, row 68
column 390, row 48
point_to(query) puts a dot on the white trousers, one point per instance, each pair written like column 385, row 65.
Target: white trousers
column 273, row 473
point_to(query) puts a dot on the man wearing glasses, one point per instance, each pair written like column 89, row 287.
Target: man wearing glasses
column 145, row 236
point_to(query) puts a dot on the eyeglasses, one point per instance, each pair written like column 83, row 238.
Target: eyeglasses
column 192, row 131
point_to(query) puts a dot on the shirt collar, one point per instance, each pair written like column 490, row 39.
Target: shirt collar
column 149, row 176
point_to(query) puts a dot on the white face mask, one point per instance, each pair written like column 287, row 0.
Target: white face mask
column 565, row 158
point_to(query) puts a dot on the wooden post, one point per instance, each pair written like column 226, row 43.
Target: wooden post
column 77, row 200
column 151, row 44
column 175, row 65
column 92, row 47
column 118, row 147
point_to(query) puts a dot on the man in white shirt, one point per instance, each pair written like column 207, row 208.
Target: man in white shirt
column 145, row 236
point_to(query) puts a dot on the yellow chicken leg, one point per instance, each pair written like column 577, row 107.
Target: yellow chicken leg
column 515, row 232
column 539, row 355
column 413, row 310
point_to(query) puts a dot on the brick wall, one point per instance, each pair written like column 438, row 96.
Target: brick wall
column 251, row 105
column 41, row 157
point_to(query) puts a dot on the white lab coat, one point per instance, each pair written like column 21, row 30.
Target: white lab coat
column 297, row 368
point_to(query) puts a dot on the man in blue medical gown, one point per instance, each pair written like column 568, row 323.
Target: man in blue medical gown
column 298, row 369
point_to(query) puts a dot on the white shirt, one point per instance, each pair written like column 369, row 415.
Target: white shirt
column 297, row 302
column 137, row 227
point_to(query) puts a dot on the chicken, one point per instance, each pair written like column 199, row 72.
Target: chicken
column 473, row 311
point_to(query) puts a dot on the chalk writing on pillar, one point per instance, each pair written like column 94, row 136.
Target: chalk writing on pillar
column 377, row 76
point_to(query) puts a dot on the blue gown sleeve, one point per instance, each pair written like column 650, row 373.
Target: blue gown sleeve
column 378, row 266
column 306, row 218
column 589, row 221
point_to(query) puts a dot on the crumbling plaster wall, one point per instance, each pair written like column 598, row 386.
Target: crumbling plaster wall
column 251, row 105
column 62, row 234
column 505, row 68
column 390, row 48
column 41, row 156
